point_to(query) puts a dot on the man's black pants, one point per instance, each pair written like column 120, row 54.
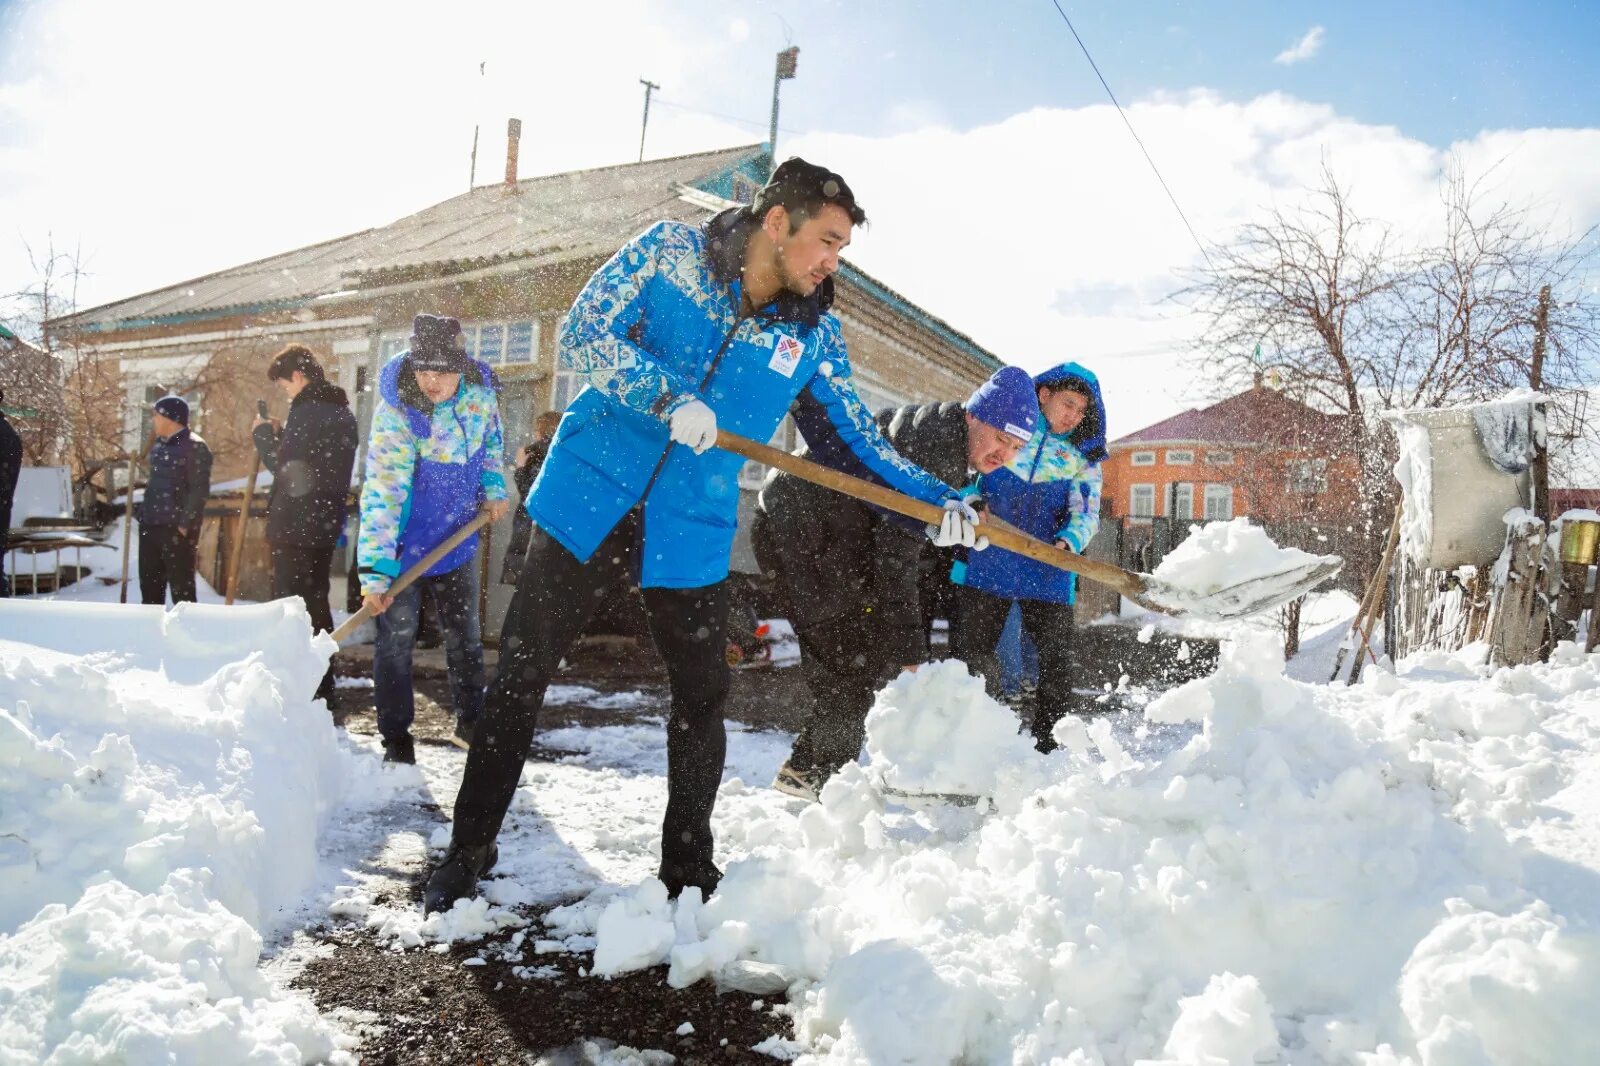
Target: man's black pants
column 556, row 597
column 301, row 570
column 166, row 558
column 982, row 617
column 827, row 583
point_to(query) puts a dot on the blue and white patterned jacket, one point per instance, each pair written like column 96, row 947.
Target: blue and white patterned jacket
column 427, row 474
column 656, row 327
column 1051, row 490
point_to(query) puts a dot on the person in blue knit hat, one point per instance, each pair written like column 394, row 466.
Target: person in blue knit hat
column 1051, row 489
column 853, row 574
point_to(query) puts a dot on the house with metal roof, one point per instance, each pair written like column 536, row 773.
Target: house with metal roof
column 508, row 260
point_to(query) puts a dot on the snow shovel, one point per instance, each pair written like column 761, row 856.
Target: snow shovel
column 1233, row 601
column 405, row 580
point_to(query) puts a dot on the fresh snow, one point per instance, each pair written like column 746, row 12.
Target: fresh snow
column 1218, row 555
column 1249, row 868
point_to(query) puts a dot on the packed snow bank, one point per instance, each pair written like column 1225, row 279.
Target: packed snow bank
column 1399, row 873
column 937, row 731
column 163, row 777
column 1218, row 555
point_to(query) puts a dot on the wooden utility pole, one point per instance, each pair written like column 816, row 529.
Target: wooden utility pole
column 1541, row 451
column 649, row 87
column 788, row 64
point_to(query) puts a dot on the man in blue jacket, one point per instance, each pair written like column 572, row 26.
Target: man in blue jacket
column 1052, row 491
column 310, row 459
column 685, row 330
column 174, row 502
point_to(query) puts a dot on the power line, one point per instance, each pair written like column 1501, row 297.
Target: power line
column 1135, row 133
column 717, row 114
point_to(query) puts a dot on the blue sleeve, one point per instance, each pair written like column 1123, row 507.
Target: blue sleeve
column 842, row 433
column 594, row 337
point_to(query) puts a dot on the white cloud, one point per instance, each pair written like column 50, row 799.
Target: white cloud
column 1303, row 49
column 1044, row 236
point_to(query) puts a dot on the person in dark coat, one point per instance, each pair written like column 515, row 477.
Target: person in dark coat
column 10, row 470
column 529, row 461
column 1050, row 491
column 310, row 458
column 854, row 575
column 174, row 502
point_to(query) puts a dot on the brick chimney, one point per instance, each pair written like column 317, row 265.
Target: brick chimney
column 513, row 142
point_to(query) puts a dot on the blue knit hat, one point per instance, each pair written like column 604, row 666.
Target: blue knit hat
column 173, row 407
column 1007, row 401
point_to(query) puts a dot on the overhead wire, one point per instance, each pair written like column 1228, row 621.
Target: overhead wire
column 1135, row 133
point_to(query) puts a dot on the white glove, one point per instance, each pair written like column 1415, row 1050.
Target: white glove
column 958, row 528
column 694, row 425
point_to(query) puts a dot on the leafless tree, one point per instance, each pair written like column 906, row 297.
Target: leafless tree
column 1353, row 323
column 32, row 373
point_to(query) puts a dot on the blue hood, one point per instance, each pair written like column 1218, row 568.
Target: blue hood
column 389, row 389
column 1090, row 436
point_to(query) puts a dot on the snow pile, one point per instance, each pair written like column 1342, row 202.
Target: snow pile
column 937, row 731
column 1391, row 874
column 159, row 805
column 1414, row 471
column 1218, row 555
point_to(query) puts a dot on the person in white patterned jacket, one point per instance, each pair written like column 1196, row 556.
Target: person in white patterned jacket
column 434, row 459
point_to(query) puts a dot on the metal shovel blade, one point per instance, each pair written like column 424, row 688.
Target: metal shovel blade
column 1245, row 598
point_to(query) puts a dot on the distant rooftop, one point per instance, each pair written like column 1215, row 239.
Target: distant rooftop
column 1258, row 415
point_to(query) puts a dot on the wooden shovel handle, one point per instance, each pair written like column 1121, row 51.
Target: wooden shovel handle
column 1000, row 534
column 405, row 580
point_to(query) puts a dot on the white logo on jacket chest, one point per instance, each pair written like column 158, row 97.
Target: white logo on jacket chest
column 786, row 356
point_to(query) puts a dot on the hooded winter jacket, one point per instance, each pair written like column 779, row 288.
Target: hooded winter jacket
column 180, row 481
column 310, row 462
column 657, row 327
column 1051, row 490
column 428, row 471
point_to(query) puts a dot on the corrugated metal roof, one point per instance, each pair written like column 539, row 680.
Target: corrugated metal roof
column 1257, row 416
column 553, row 216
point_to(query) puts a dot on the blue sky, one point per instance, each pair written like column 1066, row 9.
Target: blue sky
column 1437, row 71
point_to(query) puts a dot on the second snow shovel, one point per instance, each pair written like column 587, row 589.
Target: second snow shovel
column 1233, row 601
column 405, row 580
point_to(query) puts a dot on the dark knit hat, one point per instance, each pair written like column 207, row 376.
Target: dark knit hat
column 436, row 345
column 173, row 407
column 798, row 185
column 1007, row 401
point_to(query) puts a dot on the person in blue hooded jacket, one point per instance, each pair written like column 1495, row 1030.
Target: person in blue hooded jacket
column 1052, row 491
column 433, row 461
column 684, row 331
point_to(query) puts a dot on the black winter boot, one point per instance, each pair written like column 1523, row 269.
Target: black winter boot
column 457, row 875
column 703, row 875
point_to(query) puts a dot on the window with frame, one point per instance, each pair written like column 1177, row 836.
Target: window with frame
column 1180, row 501
column 1219, row 458
column 1143, row 459
column 1180, row 457
column 501, row 343
column 1219, row 503
column 1141, row 501
column 1307, row 477
column 565, row 384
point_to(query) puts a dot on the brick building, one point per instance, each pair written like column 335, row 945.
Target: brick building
column 1258, row 453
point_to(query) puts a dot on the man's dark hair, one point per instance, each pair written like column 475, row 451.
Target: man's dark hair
column 1077, row 385
column 295, row 357
column 803, row 189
